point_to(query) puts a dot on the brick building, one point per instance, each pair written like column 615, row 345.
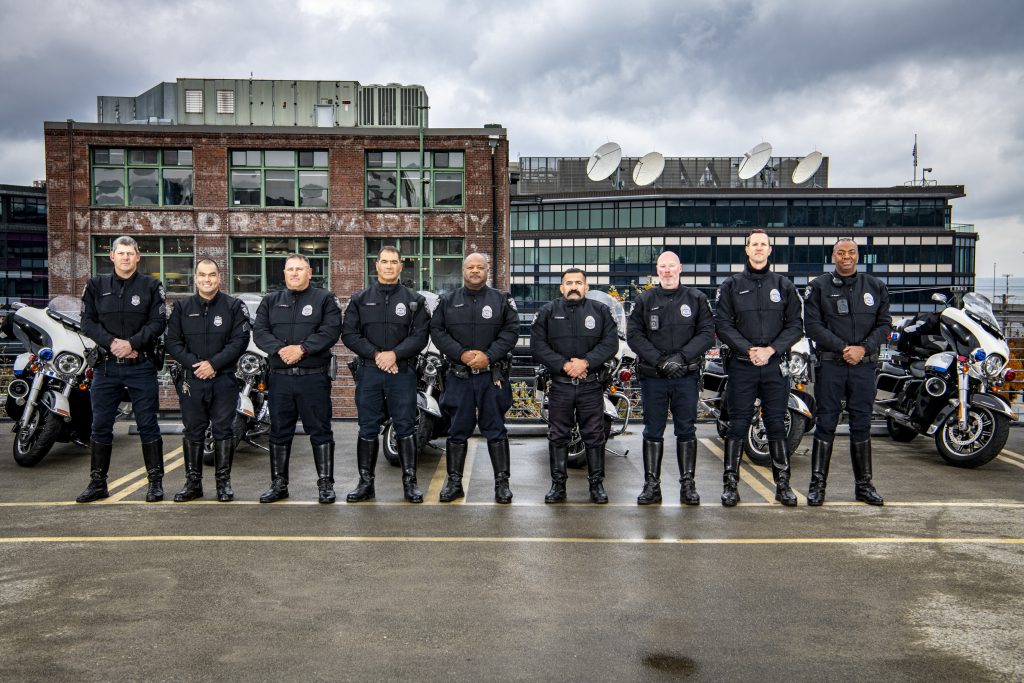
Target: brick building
column 247, row 196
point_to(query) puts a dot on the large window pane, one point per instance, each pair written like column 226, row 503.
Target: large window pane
column 143, row 187
column 447, row 189
column 245, row 188
column 177, row 277
column 381, row 189
column 276, row 157
column 280, row 188
column 411, row 189
column 177, row 186
column 142, row 156
column 108, row 186
column 312, row 188
column 246, row 275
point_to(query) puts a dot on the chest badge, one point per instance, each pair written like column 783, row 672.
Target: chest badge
column 136, row 300
column 307, row 310
column 487, row 313
column 685, row 311
column 868, row 299
column 590, row 323
column 654, row 323
column 400, row 310
column 775, row 295
column 218, row 321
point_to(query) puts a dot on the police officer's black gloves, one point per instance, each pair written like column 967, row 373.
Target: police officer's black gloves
column 672, row 366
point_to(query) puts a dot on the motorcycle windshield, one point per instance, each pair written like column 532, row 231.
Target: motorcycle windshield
column 432, row 300
column 618, row 312
column 980, row 308
column 68, row 307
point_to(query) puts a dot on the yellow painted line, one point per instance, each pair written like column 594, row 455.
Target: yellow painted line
column 441, row 473
column 745, row 475
column 1015, row 454
column 1011, row 461
column 766, row 474
column 630, row 503
column 859, row 540
column 129, row 490
column 1011, row 457
column 141, row 472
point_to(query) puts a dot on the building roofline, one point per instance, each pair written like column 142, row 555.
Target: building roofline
column 938, row 191
column 23, row 189
column 186, row 129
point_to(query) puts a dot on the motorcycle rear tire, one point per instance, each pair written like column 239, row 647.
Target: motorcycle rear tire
column 898, row 432
column 424, row 428
column 47, row 429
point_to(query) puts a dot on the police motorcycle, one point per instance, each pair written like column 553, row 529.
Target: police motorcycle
column 799, row 418
column 939, row 382
column 48, row 399
column 615, row 377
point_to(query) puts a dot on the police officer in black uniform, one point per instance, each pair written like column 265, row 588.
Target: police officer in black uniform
column 386, row 326
column 124, row 313
column 206, row 334
column 670, row 328
column 758, row 317
column 476, row 328
column 297, row 327
column 846, row 314
column 574, row 337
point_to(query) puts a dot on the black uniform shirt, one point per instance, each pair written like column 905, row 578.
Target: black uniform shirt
column 483, row 319
column 566, row 329
column 386, row 318
column 131, row 309
column 867, row 322
column 216, row 331
column 667, row 321
column 758, row 308
column 311, row 318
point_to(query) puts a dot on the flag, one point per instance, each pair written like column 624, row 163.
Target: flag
column 915, row 149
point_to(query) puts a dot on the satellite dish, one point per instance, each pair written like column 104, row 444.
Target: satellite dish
column 648, row 169
column 604, row 161
column 755, row 160
column 807, row 167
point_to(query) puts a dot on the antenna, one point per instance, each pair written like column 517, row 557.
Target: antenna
column 604, row 161
column 648, row 169
column 755, row 160
column 807, row 167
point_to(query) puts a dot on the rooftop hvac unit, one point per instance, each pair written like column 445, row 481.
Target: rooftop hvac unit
column 391, row 105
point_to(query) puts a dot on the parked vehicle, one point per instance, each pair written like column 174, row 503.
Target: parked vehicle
column 49, row 396
column 939, row 383
column 799, row 417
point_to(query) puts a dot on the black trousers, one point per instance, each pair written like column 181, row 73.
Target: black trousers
column 207, row 402
column 305, row 396
column 659, row 395
column 569, row 404
column 476, row 400
column 837, row 380
column 747, row 383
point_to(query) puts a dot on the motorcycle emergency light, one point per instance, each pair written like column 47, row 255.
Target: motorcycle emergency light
column 46, row 353
column 1009, row 376
column 979, row 354
column 625, row 375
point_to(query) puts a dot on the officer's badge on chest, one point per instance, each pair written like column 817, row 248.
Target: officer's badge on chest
column 217, row 321
column 307, row 310
column 400, row 310
column 590, row 323
column 136, row 300
column 775, row 295
column 654, row 323
column 685, row 311
column 868, row 299
column 487, row 313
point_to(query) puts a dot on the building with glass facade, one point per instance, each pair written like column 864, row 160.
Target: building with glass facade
column 23, row 255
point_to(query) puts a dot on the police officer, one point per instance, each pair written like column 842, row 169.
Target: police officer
column 574, row 337
column 476, row 328
column 847, row 316
column 386, row 326
column 670, row 328
column 206, row 334
column 758, row 317
column 297, row 327
column 123, row 312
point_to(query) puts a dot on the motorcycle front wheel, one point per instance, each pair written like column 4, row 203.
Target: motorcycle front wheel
column 424, row 428
column 36, row 438
column 981, row 441
column 237, row 434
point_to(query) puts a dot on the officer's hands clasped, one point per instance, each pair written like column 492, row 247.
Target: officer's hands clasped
column 673, row 366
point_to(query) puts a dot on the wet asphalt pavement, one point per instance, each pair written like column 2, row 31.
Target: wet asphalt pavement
column 929, row 587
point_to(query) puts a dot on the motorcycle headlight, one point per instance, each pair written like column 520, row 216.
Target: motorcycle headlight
column 68, row 363
column 993, row 365
column 797, row 364
column 250, row 364
column 431, row 366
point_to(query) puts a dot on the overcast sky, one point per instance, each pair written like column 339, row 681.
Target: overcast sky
column 853, row 79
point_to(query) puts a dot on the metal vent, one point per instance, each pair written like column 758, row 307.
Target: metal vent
column 225, row 101
column 193, row 101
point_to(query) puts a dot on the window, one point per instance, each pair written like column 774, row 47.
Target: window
column 279, row 177
column 393, row 179
column 168, row 259
column 28, row 210
column 442, row 262
column 193, row 101
column 141, row 177
column 257, row 263
column 225, row 102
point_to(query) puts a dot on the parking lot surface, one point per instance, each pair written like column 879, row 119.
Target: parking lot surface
column 928, row 587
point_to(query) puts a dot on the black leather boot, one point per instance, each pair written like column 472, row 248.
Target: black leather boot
column 98, row 466
column 860, row 455
column 559, row 458
column 731, row 475
column 595, row 474
column 323, row 457
column 500, row 463
column 821, row 454
column 153, row 456
column 780, row 472
column 407, row 456
column 223, row 454
column 366, row 461
column 686, row 456
column 193, row 472
column 455, row 460
column 280, row 454
column 651, row 494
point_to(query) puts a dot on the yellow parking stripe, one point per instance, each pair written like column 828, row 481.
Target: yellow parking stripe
column 745, row 475
column 629, row 503
column 141, row 472
column 441, row 473
column 1011, row 461
column 1012, row 457
column 132, row 488
column 766, row 473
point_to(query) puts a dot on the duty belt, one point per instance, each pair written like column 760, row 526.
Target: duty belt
column 465, row 372
column 563, row 379
column 402, row 364
column 126, row 361
column 829, row 355
column 322, row 370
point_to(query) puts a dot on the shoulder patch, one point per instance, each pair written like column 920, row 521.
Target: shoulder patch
column 807, row 292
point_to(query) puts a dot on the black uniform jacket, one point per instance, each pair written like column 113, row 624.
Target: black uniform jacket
column 483, row 320
column 667, row 321
column 131, row 309
column 758, row 308
column 311, row 318
column 216, row 331
column 567, row 329
column 386, row 318
column 866, row 324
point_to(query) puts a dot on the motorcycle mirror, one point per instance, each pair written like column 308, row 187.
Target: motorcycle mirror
column 939, row 297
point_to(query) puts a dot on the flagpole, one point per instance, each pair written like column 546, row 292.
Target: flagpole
column 914, row 176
